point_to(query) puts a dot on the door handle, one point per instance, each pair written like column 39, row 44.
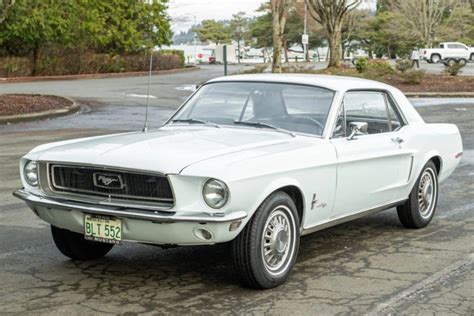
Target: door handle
column 398, row 140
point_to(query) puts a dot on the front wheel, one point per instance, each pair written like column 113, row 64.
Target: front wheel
column 419, row 209
column 266, row 249
column 74, row 246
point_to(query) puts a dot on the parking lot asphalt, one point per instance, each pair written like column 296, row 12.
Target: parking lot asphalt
column 369, row 266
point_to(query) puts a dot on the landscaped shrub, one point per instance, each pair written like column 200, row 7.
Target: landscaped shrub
column 377, row 69
column 361, row 64
column 403, row 65
column 177, row 52
column 168, row 61
column 453, row 70
column 15, row 67
column 412, row 76
column 52, row 63
column 257, row 70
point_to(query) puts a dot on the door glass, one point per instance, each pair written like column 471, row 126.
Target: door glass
column 371, row 108
column 367, row 107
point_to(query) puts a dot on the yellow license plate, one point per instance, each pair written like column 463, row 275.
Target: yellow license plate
column 102, row 228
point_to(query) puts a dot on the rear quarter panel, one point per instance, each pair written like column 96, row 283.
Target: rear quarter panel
column 434, row 140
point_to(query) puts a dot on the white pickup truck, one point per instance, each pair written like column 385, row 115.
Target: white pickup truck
column 448, row 50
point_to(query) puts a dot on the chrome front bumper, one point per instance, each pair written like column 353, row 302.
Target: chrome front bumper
column 154, row 216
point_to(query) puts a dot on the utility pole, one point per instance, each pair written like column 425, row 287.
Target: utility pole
column 305, row 37
column 225, row 59
column 305, row 42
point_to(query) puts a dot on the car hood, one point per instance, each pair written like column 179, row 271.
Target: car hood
column 167, row 150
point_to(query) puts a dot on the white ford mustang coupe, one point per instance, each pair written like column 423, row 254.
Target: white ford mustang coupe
column 255, row 160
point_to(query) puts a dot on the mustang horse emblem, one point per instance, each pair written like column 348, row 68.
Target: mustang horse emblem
column 108, row 181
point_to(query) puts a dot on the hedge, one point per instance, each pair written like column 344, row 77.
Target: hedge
column 89, row 63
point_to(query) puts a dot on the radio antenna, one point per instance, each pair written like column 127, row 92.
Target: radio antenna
column 145, row 126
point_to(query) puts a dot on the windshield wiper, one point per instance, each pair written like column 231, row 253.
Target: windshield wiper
column 264, row 125
column 192, row 120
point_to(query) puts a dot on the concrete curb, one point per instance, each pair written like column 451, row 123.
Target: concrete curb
column 97, row 76
column 73, row 108
column 439, row 94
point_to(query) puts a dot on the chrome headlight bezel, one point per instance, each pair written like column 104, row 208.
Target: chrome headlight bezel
column 30, row 173
column 215, row 187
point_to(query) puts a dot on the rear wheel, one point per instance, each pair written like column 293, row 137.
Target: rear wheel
column 462, row 62
column 74, row 246
column 266, row 249
column 449, row 62
column 419, row 209
column 472, row 57
column 435, row 58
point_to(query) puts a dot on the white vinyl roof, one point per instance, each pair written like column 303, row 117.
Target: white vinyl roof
column 336, row 83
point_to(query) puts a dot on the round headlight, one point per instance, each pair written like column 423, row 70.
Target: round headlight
column 30, row 173
column 215, row 193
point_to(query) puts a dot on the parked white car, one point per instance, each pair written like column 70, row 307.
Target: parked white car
column 448, row 50
column 256, row 160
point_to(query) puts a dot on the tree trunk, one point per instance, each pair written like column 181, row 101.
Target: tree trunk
column 277, row 42
column 238, row 50
column 285, row 47
column 36, row 55
column 334, row 48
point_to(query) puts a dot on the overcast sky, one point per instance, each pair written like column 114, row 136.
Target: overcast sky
column 183, row 11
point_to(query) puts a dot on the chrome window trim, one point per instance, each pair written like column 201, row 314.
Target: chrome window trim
column 333, row 101
column 387, row 98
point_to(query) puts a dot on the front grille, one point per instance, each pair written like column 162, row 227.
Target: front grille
column 124, row 185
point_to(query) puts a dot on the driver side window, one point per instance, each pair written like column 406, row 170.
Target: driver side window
column 372, row 107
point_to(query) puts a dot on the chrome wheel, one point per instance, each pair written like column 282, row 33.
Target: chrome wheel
column 278, row 240
column 427, row 190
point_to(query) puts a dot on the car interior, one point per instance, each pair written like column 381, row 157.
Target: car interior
column 269, row 107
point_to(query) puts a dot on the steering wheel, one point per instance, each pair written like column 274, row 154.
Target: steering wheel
column 316, row 122
column 300, row 119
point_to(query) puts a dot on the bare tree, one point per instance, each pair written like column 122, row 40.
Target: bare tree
column 279, row 16
column 331, row 15
column 421, row 18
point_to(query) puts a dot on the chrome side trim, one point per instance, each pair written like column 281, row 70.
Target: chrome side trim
column 349, row 218
column 159, row 217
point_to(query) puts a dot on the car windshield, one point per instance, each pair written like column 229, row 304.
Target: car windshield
column 277, row 106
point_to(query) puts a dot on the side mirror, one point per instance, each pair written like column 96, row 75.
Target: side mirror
column 357, row 128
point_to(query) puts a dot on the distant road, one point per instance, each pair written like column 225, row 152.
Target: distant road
column 168, row 90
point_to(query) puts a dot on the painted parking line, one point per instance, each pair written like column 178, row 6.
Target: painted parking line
column 133, row 95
